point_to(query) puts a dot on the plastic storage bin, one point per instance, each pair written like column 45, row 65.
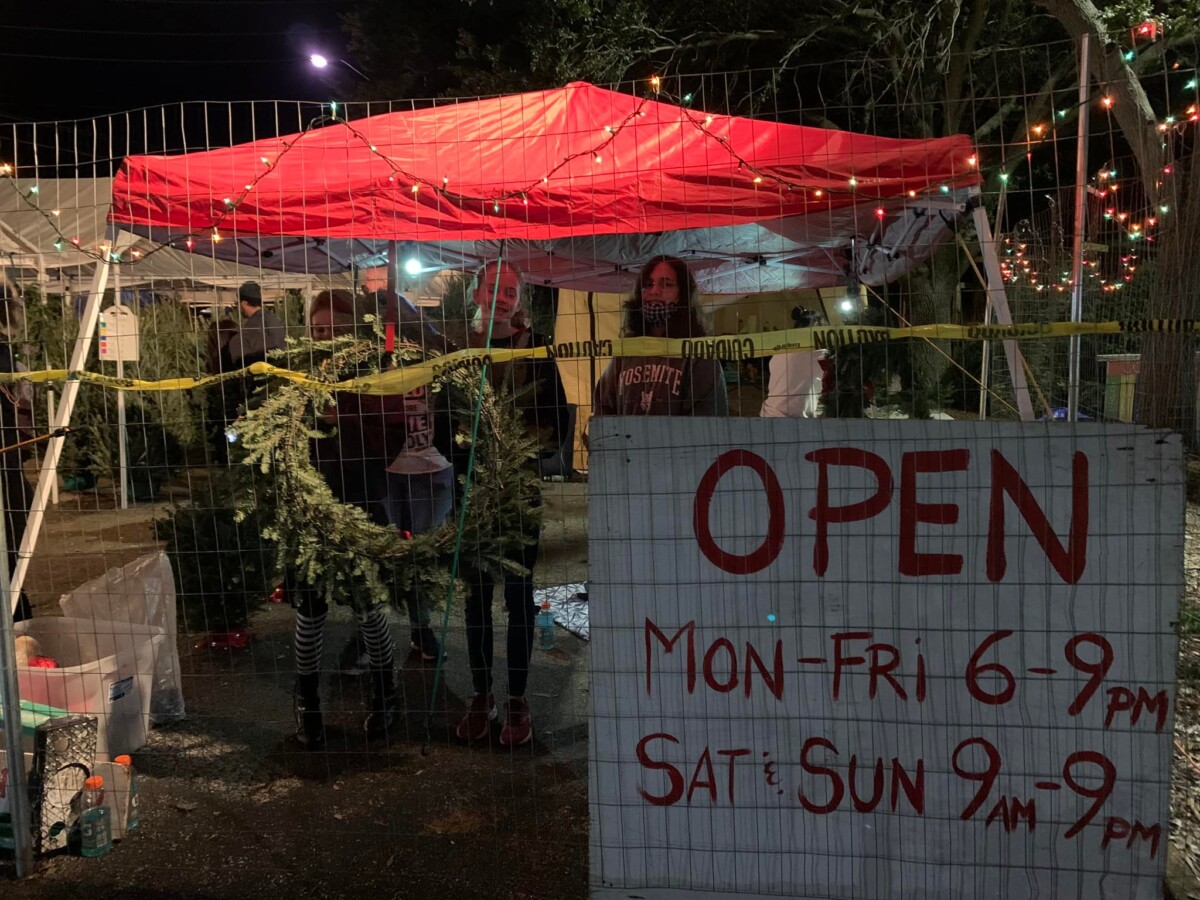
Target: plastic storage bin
column 106, row 669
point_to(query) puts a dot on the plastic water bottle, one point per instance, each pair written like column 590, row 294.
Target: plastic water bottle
column 95, row 821
column 545, row 627
column 131, row 803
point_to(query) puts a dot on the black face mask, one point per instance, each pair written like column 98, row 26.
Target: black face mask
column 657, row 313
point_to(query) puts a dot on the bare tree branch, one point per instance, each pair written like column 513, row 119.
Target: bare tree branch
column 959, row 61
column 1131, row 107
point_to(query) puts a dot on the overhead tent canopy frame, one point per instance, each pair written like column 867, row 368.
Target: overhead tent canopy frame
column 582, row 183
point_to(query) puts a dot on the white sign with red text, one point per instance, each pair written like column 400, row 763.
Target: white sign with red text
column 881, row 659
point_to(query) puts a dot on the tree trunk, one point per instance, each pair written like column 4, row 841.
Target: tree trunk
column 1166, row 388
column 931, row 300
column 1130, row 107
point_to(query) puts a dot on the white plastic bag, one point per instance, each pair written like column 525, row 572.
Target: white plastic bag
column 141, row 593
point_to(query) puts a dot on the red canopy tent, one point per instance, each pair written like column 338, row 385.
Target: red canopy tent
column 584, row 183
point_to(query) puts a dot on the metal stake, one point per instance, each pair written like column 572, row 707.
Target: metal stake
column 1075, row 342
column 10, row 702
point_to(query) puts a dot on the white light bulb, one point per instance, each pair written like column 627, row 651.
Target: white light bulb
column 318, row 60
column 847, row 305
column 412, row 266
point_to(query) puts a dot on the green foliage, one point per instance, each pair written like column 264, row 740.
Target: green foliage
column 224, row 568
column 159, row 425
column 857, row 365
column 290, row 310
column 171, row 347
column 334, row 546
column 453, row 316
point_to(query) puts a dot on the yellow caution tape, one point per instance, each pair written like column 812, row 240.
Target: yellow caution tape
column 724, row 348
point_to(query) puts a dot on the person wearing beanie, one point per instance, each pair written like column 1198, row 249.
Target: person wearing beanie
column 260, row 331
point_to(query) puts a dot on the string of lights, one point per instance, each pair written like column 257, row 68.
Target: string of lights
column 416, row 183
column 1105, row 183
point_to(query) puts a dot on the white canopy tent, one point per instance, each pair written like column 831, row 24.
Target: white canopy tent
column 53, row 233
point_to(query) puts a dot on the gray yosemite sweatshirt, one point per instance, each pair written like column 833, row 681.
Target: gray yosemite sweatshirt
column 660, row 386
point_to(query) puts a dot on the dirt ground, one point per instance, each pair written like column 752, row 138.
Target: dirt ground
column 233, row 808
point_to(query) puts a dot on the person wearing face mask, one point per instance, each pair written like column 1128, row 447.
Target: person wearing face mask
column 663, row 305
column 795, row 384
column 535, row 388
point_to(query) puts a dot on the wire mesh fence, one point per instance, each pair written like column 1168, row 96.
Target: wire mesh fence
column 374, row 663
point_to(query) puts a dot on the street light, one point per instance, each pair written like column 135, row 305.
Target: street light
column 321, row 61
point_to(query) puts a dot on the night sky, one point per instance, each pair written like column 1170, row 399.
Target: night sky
column 66, row 59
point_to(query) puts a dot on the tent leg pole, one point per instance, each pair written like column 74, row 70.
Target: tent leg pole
column 999, row 303
column 122, row 437
column 49, row 470
column 10, row 700
column 985, row 364
column 1081, row 157
column 983, row 375
column 393, row 267
column 50, row 418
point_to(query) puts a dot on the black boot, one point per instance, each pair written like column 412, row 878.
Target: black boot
column 384, row 703
column 310, row 725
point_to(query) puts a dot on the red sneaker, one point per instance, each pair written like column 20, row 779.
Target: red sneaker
column 476, row 724
column 518, row 729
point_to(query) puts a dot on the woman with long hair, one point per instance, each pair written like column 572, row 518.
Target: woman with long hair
column 664, row 304
column 537, row 392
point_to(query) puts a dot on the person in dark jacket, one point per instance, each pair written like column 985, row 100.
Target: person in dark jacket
column 663, row 305
column 260, row 330
column 362, row 435
column 536, row 389
column 15, row 410
column 222, row 398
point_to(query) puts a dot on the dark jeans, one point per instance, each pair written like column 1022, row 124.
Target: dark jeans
column 518, row 598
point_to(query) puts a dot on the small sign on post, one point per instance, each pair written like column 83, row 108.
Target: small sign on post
column 119, row 342
column 119, row 337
